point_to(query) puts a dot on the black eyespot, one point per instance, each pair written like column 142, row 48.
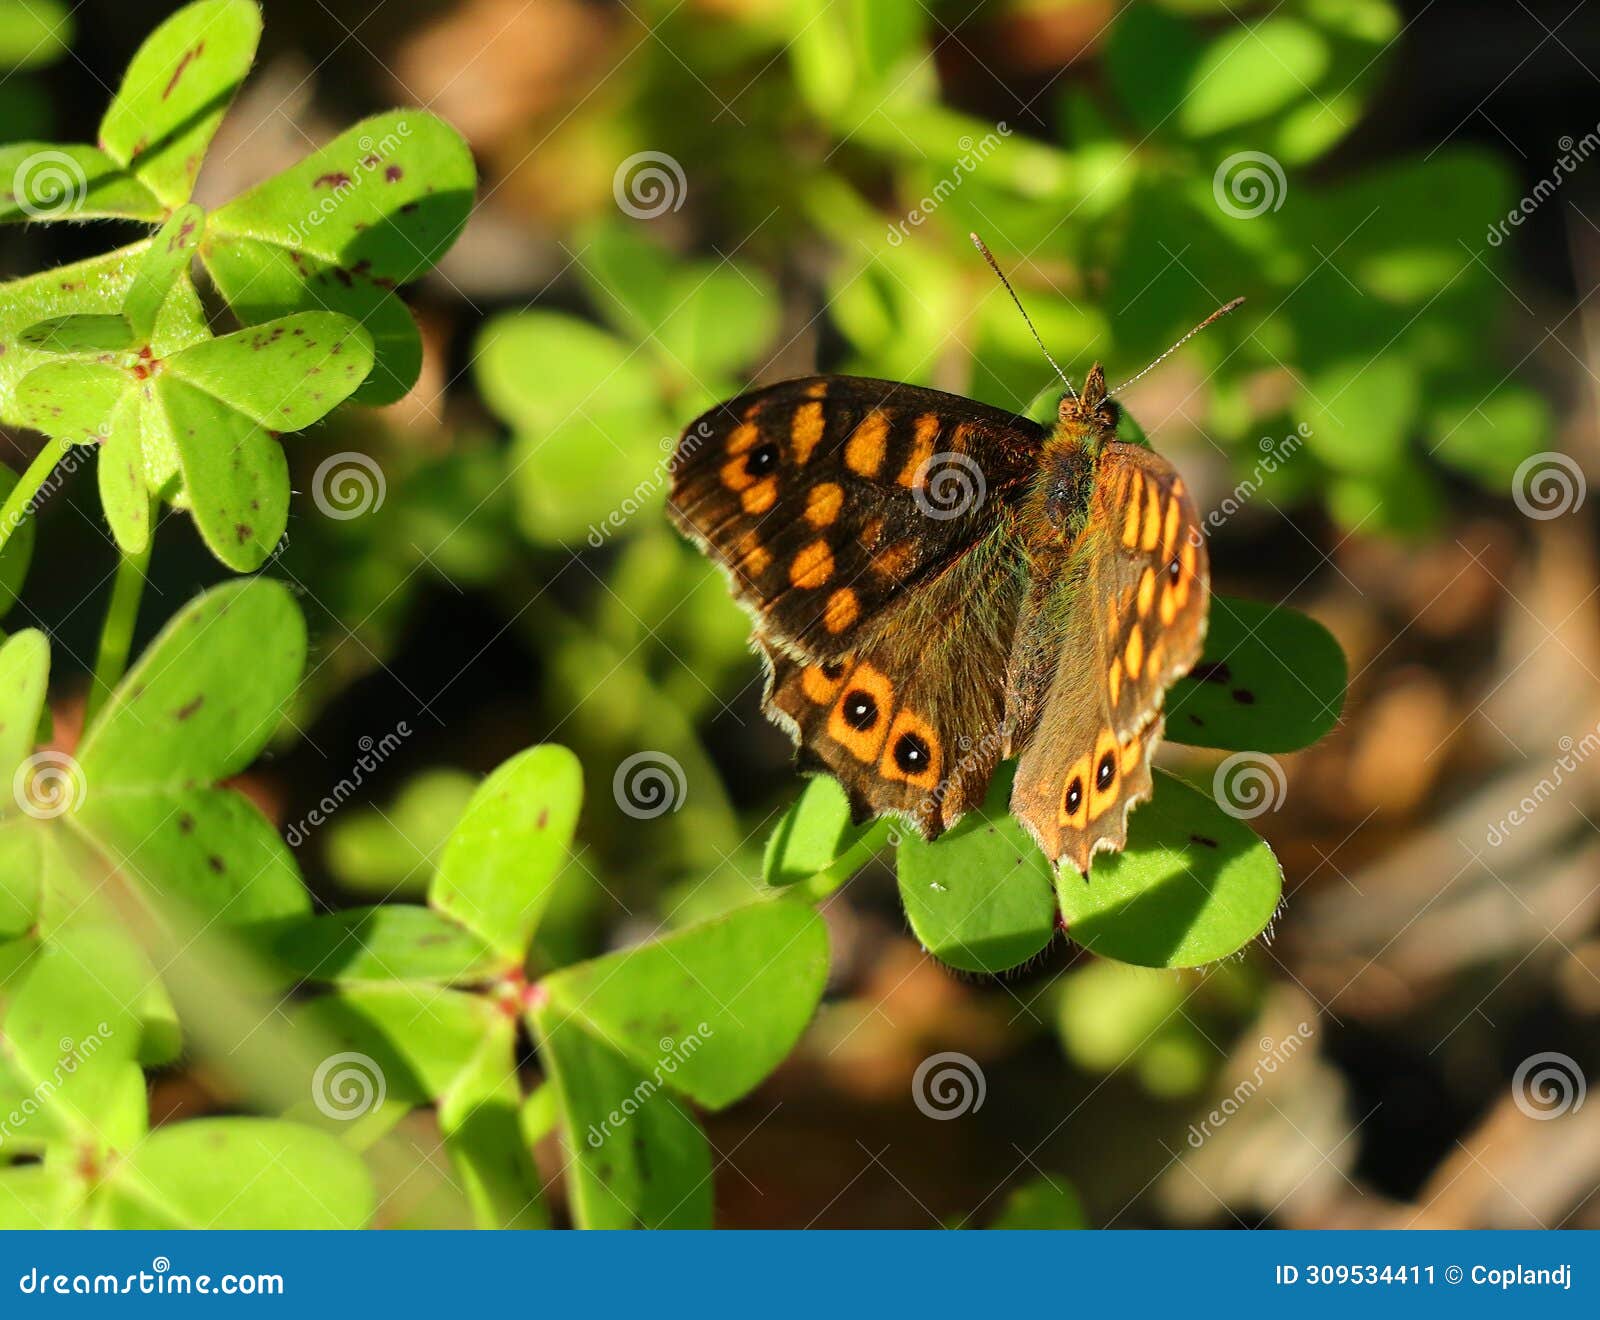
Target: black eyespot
column 1074, row 797
column 1172, row 571
column 761, row 460
column 1106, row 773
column 860, row 711
column 911, row 753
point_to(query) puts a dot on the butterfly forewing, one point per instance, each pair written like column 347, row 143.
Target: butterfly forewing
column 827, row 498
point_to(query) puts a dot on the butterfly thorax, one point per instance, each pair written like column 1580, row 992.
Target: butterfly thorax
column 1062, row 490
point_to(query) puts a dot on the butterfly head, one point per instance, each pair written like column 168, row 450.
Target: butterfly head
column 1090, row 416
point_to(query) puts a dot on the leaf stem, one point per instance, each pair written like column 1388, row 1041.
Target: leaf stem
column 116, row 636
column 15, row 507
column 842, row 868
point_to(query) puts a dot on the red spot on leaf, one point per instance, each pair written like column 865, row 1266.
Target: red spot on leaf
column 189, row 57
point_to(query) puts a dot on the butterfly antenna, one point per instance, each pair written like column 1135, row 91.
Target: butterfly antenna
column 1215, row 316
column 1001, row 275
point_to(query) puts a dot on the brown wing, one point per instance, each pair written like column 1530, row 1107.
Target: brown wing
column 828, row 498
column 1104, row 632
column 910, row 723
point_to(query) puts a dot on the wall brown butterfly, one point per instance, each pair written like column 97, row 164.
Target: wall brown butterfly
column 936, row 584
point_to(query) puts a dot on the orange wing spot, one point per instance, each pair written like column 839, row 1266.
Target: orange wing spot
column 911, row 752
column 1156, row 659
column 760, row 497
column 1133, row 655
column 860, row 717
column 812, row 566
column 743, row 437
column 754, row 558
column 1073, row 809
column 927, row 431
column 734, row 476
column 1114, row 680
column 817, row 686
column 864, row 451
column 959, row 437
column 1177, row 486
column 841, row 611
column 1152, row 515
column 1101, row 799
column 1169, row 605
column 1169, row 536
column 1113, row 621
column 1130, row 520
column 872, row 532
column 805, row 431
column 823, row 503
column 893, row 562
column 1147, row 591
column 1130, row 754
column 818, row 389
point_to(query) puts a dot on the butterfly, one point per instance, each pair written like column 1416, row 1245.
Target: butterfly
column 937, row 585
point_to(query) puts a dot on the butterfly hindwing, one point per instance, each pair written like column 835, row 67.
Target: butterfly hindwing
column 827, row 498
column 1123, row 617
column 910, row 723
